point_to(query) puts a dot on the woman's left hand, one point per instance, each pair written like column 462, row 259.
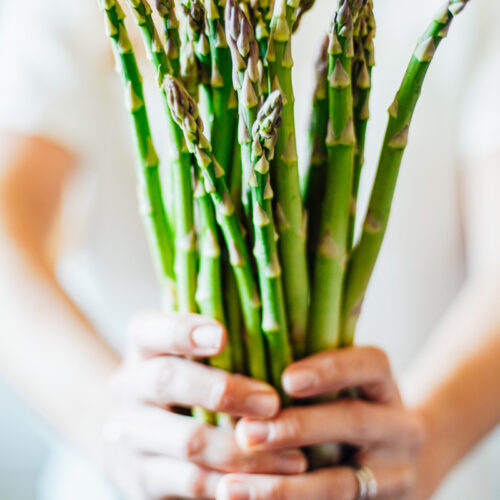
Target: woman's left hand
column 387, row 436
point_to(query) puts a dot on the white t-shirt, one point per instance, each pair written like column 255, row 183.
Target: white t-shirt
column 60, row 84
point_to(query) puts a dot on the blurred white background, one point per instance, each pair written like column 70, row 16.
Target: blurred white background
column 22, row 448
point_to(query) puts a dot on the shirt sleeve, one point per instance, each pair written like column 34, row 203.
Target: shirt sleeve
column 480, row 117
column 479, row 140
column 52, row 55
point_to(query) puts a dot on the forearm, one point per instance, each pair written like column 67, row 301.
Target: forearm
column 47, row 349
column 51, row 355
column 455, row 382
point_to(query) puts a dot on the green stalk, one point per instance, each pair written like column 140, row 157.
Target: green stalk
column 261, row 14
column 209, row 291
column 285, row 177
column 185, row 113
column 166, row 10
column 232, row 301
column 401, row 112
column 234, row 174
column 274, row 322
column 224, row 119
column 314, row 179
column 364, row 60
column 235, row 326
column 179, row 164
column 247, row 78
column 152, row 206
column 331, row 253
column 197, row 49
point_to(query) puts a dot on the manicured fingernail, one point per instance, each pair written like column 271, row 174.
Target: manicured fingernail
column 262, row 404
column 253, row 432
column 299, row 381
column 292, row 462
column 207, row 336
column 235, row 491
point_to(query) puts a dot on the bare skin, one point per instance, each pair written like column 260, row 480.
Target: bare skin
column 153, row 453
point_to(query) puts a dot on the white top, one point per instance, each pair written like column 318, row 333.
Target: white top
column 61, row 84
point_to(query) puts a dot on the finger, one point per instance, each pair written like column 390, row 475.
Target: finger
column 354, row 422
column 366, row 368
column 338, row 483
column 162, row 477
column 168, row 380
column 155, row 431
column 179, row 334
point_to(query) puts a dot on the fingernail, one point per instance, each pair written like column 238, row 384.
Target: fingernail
column 207, row 336
column 235, row 491
column 292, row 462
column 254, row 432
column 299, row 380
column 262, row 404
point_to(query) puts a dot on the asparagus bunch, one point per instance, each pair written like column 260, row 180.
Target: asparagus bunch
column 231, row 182
column 274, row 321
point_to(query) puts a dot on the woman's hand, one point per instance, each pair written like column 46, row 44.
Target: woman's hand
column 155, row 453
column 387, row 435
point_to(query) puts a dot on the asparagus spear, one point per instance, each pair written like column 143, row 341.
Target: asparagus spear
column 195, row 15
column 401, row 111
column 314, row 179
column 185, row 113
column 209, row 292
column 331, row 253
column 152, row 207
column 196, row 68
column 247, row 77
column 235, row 325
column 180, row 165
column 274, row 322
column 224, row 117
column 364, row 60
column 260, row 12
column 285, row 177
column 166, row 10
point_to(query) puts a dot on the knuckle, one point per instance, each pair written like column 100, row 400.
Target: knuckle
column 331, row 365
column 278, row 490
column 381, row 358
column 361, row 418
column 195, row 442
column 289, row 427
column 246, row 463
column 222, row 396
column 196, row 482
column 163, row 378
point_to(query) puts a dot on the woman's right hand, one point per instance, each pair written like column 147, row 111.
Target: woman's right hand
column 155, row 453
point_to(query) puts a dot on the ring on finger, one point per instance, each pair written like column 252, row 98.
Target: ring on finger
column 367, row 483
